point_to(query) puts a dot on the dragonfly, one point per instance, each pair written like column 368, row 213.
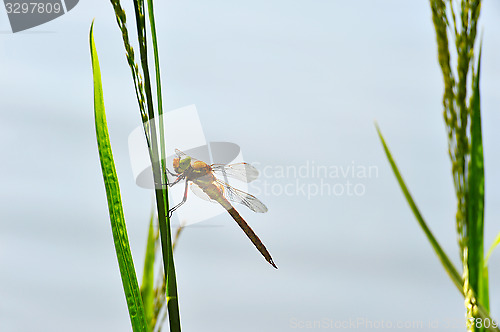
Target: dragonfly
column 202, row 180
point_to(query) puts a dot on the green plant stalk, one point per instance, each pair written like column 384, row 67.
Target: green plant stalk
column 159, row 97
column 171, row 290
column 118, row 226
column 161, row 287
column 121, row 20
column 157, row 72
column 161, row 192
column 166, row 241
column 148, row 119
column 445, row 261
column 465, row 151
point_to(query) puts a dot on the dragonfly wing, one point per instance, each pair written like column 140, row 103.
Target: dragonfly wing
column 241, row 171
column 238, row 196
column 179, row 153
column 182, row 155
column 200, row 193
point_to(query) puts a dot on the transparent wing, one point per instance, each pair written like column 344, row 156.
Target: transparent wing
column 241, row 171
column 238, row 196
column 233, row 195
column 181, row 154
column 200, row 193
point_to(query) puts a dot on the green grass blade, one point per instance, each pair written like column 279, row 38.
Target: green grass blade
column 448, row 265
column 476, row 195
column 445, row 261
column 148, row 279
column 492, row 247
column 118, row 227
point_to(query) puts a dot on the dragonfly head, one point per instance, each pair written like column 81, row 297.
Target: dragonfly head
column 181, row 165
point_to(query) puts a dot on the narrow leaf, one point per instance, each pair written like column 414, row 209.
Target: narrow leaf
column 148, row 279
column 476, row 195
column 118, row 227
column 445, row 261
column 448, row 265
column 492, row 247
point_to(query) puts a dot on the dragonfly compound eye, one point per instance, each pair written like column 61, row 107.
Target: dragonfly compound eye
column 183, row 164
column 175, row 163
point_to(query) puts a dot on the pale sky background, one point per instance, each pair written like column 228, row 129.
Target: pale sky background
column 290, row 82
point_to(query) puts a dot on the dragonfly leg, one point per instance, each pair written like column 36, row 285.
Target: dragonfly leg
column 179, row 177
column 169, row 172
column 171, row 211
column 166, row 173
column 177, row 180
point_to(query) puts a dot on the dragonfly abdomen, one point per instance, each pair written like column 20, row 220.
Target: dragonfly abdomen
column 251, row 235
